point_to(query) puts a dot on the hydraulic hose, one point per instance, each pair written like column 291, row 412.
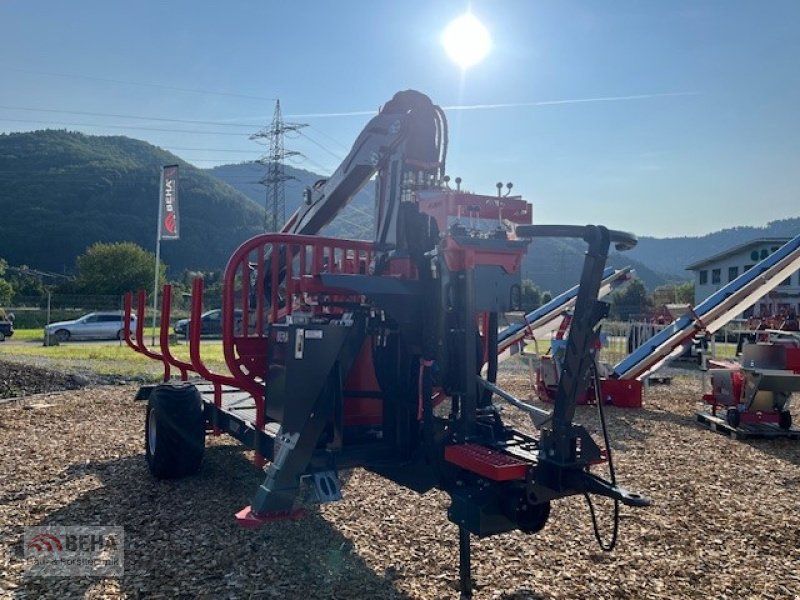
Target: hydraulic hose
column 606, row 547
column 491, row 372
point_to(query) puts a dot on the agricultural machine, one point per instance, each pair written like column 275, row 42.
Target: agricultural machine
column 749, row 396
column 347, row 353
column 759, row 388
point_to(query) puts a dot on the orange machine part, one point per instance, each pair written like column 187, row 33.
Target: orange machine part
column 362, row 410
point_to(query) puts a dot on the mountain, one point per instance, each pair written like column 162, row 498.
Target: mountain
column 355, row 221
column 62, row 191
column 672, row 255
column 556, row 264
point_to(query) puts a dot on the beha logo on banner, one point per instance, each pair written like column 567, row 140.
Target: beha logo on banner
column 169, row 194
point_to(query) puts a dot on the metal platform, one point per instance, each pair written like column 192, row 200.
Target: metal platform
column 747, row 431
column 234, row 400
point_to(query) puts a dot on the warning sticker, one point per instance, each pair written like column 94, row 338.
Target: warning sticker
column 313, row 334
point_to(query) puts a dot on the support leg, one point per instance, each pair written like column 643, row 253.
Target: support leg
column 464, row 568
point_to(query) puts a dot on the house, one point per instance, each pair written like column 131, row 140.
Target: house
column 711, row 274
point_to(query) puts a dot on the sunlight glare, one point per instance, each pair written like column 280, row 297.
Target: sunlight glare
column 466, row 41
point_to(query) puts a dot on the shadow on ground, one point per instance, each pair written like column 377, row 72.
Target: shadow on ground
column 181, row 540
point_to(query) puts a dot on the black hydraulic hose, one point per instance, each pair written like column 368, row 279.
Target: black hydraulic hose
column 425, row 407
column 491, row 373
column 606, row 547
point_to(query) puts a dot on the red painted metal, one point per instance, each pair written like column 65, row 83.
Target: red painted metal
column 404, row 268
column 793, row 359
column 622, row 393
column 446, row 206
column 166, row 308
column 247, row 518
column 362, row 410
column 128, row 301
column 462, row 258
column 140, row 345
column 492, row 464
column 246, row 350
column 757, row 416
column 195, row 331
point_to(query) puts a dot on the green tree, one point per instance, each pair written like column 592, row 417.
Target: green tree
column 631, row 302
column 685, row 292
column 26, row 284
column 116, row 268
column 531, row 296
column 6, row 291
column 678, row 293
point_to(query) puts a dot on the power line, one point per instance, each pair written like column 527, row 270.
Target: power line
column 323, row 147
column 121, row 116
column 186, row 131
column 139, row 83
column 330, row 138
column 208, row 149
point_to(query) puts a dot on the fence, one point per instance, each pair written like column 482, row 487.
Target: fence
column 620, row 338
column 36, row 312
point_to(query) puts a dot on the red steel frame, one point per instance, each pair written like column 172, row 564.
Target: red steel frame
column 303, row 259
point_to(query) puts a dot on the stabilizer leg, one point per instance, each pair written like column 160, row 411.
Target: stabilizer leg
column 464, row 567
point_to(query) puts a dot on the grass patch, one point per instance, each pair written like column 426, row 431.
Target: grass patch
column 107, row 359
column 27, row 334
column 37, row 334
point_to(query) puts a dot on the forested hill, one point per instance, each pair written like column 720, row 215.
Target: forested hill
column 62, row 191
column 355, row 221
column 672, row 255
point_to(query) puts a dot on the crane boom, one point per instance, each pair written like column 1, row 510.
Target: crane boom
column 405, row 144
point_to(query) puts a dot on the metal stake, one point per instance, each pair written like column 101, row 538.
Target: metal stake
column 464, row 569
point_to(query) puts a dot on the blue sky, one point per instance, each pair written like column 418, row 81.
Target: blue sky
column 713, row 139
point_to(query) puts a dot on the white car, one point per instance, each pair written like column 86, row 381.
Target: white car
column 94, row 326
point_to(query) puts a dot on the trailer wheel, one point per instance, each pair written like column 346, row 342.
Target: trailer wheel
column 785, row 420
column 174, row 431
column 733, row 417
column 531, row 518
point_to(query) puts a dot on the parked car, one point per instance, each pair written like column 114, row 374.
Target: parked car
column 6, row 329
column 94, row 326
column 210, row 323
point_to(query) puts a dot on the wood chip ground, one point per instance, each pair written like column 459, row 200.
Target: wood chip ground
column 725, row 519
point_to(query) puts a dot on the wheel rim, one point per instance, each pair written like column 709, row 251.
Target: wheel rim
column 151, row 432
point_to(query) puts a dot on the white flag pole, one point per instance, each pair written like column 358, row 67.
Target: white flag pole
column 158, row 255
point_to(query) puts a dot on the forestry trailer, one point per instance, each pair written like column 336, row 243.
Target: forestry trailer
column 348, row 353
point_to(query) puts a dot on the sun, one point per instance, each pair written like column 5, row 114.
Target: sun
column 466, row 41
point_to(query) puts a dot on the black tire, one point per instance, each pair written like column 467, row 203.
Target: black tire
column 2, row 337
column 62, row 335
column 174, row 431
column 121, row 334
column 733, row 417
column 785, row 420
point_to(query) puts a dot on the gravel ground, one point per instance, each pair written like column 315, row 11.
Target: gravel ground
column 724, row 521
column 21, row 379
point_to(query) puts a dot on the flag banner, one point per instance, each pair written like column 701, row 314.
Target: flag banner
column 170, row 223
